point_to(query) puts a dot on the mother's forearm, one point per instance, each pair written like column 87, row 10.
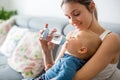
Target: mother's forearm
column 48, row 58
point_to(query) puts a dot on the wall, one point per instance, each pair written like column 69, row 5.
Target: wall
column 38, row 7
column 108, row 10
column 4, row 3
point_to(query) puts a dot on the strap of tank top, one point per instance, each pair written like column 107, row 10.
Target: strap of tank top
column 103, row 35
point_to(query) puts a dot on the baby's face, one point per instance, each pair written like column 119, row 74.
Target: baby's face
column 73, row 43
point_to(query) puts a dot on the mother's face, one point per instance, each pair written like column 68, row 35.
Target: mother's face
column 78, row 15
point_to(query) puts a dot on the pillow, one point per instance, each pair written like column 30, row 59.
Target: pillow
column 12, row 39
column 5, row 26
column 27, row 57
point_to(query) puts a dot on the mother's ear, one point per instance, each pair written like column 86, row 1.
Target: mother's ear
column 92, row 7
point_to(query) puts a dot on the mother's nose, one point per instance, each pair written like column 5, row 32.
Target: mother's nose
column 72, row 21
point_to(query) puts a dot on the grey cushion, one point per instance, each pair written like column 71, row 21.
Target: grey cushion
column 22, row 21
column 38, row 23
column 6, row 73
column 67, row 29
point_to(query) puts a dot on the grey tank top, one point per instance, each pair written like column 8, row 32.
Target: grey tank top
column 109, row 71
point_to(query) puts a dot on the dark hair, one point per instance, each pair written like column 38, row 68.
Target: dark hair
column 86, row 3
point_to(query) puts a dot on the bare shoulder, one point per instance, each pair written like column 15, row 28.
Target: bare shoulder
column 114, row 35
column 111, row 44
column 112, row 38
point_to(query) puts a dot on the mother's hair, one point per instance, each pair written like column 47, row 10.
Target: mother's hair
column 86, row 3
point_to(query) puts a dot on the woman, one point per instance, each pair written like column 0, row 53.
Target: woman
column 102, row 66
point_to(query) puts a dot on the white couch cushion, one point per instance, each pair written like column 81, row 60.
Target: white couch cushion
column 5, row 26
column 14, row 36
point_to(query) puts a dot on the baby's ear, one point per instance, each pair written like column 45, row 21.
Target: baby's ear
column 83, row 50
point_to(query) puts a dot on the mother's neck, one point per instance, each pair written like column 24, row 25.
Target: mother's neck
column 96, row 27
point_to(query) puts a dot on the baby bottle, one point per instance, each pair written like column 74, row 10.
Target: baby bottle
column 57, row 38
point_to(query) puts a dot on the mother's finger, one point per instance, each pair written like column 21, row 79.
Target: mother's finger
column 41, row 31
column 53, row 31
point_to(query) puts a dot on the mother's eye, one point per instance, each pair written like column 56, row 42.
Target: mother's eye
column 76, row 14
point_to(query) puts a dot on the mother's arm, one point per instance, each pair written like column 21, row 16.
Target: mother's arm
column 109, row 49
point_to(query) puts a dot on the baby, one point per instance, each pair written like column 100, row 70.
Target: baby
column 81, row 46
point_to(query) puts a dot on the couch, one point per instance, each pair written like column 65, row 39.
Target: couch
column 34, row 24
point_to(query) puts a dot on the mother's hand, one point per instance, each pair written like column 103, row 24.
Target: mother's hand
column 45, row 43
column 47, row 48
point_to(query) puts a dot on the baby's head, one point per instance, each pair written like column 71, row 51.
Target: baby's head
column 83, row 44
